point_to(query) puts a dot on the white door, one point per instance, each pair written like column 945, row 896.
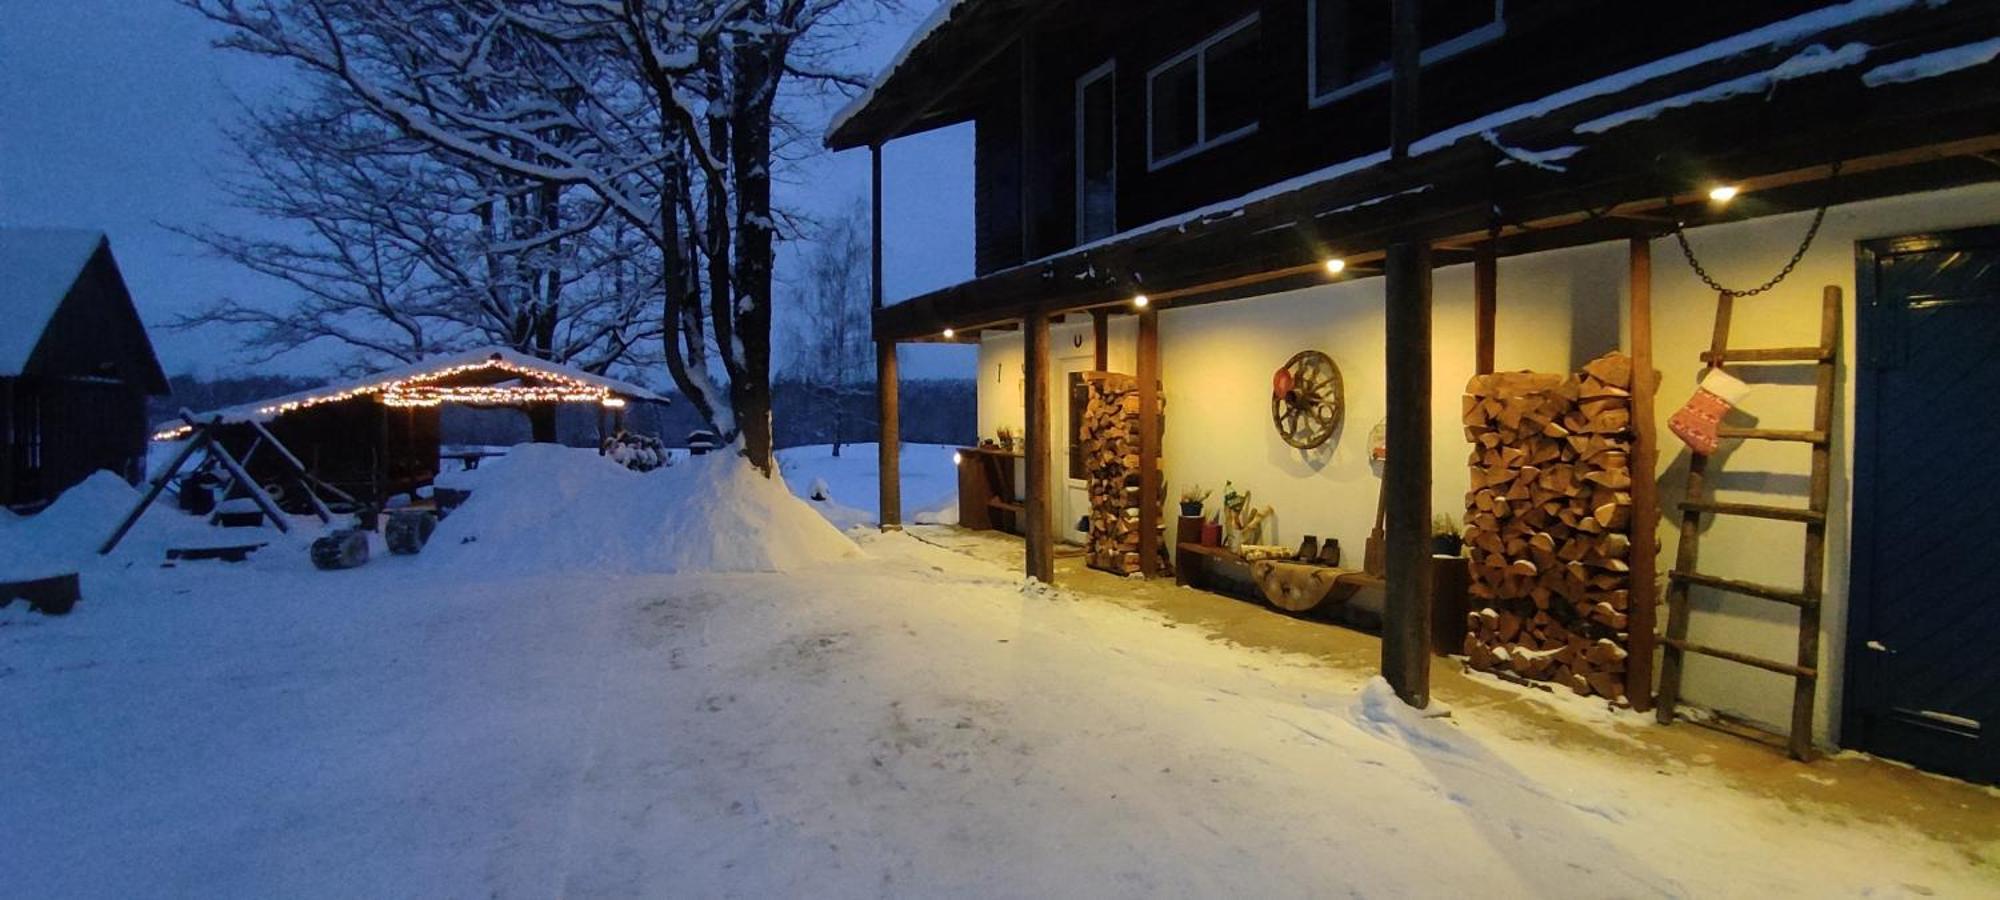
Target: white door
column 1068, row 462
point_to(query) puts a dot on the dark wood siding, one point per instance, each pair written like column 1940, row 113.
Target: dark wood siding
column 1548, row 45
column 60, row 431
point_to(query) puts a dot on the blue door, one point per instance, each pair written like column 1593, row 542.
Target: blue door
column 1923, row 670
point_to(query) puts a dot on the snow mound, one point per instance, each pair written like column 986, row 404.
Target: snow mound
column 65, row 536
column 1379, row 711
column 544, row 508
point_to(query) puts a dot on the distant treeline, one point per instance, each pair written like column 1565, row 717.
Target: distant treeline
column 934, row 411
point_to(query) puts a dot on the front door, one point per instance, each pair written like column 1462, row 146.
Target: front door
column 1924, row 637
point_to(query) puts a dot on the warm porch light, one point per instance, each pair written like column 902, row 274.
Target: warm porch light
column 1722, row 193
column 1140, row 301
column 1336, row 266
column 949, row 334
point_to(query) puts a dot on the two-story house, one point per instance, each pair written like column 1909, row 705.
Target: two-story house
column 1423, row 191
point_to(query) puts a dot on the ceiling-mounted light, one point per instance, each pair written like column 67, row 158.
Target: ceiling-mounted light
column 957, row 458
column 1336, row 266
column 949, row 334
column 1723, row 193
column 1140, row 301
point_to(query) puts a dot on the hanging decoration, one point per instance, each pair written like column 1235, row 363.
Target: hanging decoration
column 1306, row 403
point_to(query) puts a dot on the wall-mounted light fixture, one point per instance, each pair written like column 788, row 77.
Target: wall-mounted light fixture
column 1723, row 193
column 949, row 334
column 1139, row 301
column 1336, row 266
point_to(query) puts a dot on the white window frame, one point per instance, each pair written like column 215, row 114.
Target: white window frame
column 1204, row 141
column 1108, row 70
column 1437, row 53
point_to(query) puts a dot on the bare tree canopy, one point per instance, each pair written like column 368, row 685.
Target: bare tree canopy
column 831, row 350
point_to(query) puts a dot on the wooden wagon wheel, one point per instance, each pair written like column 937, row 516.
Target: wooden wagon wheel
column 1306, row 402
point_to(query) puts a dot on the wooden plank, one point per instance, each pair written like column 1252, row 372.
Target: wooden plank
column 1765, row 354
column 1772, row 434
column 1756, row 511
column 1149, row 441
column 198, row 440
column 889, row 443
column 1100, row 336
column 1406, row 66
column 1804, row 689
column 1747, row 588
column 1644, row 558
column 1485, row 304
column 1688, row 554
column 1767, row 665
column 1406, row 481
column 1039, row 527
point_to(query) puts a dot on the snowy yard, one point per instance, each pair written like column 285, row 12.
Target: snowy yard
column 896, row 719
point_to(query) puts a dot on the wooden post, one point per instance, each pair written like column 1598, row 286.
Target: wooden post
column 1485, row 303
column 1149, row 442
column 1100, row 333
column 1030, row 185
column 1405, row 56
column 1645, row 485
column 1406, row 478
column 1039, row 527
column 889, row 446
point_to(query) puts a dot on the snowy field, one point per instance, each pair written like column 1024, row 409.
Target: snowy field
column 536, row 712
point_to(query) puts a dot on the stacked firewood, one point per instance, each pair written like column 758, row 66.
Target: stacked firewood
column 1110, row 436
column 1547, row 524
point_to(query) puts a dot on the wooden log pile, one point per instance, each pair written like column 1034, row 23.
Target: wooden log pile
column 1547, row 524
column 1110, row 436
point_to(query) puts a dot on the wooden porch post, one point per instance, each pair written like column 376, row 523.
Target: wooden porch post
column 1645, row 485
column 1100, row 334
column 889, row 442
column 1149, row 441
column 1406, row 477
column 1039, row 527
column 1485, row 303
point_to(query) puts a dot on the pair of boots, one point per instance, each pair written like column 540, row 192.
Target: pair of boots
column 1312, row 551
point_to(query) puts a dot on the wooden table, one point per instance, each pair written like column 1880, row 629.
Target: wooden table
column 987, row 489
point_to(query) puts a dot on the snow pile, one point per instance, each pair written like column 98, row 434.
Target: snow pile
column 65, row 536
column 544, row 508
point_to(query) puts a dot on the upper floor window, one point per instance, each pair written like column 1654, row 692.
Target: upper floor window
column 1204, row 96
column 1096, row 155
column 1348, row 49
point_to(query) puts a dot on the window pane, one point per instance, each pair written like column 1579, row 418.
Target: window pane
column 1097, row 203
column 1350, row 41
column 1233, row 71
column 1175, row 123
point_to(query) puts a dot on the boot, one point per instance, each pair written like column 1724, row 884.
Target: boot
column 1329, row 553
column 1309, row 550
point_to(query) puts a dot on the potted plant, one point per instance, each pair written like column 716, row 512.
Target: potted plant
column 1006, row 439
column 1192, row 499
column 1444, row 536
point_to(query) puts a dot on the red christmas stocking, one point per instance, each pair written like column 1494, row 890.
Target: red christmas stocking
column 1697, row 423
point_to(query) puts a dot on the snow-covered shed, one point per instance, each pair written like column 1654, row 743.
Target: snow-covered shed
column 75, row 365
column 377, row 435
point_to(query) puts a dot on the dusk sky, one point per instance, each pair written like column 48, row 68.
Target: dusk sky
column 111, row 117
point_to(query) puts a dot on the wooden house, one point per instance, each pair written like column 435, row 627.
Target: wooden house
column 1195, row 192
column 76, row 366
column 377, row 436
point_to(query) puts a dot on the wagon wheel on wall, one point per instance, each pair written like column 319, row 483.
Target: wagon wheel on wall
column 1306, row 399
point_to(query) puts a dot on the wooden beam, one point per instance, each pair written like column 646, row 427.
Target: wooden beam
column 1149, row 442
column 1406, row 60
column 1040, row 525
column 889, row 445
column 1485, row 303
column 1406, row 476
column 875, row 226
column 1645, row 484
column 1026, row 161
column 1100, row 335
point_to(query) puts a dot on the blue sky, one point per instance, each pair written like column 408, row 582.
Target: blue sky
column 111, row 114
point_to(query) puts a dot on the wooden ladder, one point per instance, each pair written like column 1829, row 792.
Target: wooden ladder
column 1805, row 671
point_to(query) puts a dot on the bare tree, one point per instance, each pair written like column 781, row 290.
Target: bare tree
column 828, row 321
column 659, row 112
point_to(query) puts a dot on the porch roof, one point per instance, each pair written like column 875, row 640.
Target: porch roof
column 1901, row 95
column 922, row 87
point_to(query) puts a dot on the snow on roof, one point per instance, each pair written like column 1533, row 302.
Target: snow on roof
column 378, row 382
column 931, row 23
column 1933, row 64
column 37, row 268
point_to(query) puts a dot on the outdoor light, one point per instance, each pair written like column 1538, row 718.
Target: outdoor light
column 1722, row 193
column 957, row 458
column 1336, row 266
column 949, row 334
column 613, row 402
column 1140, row 301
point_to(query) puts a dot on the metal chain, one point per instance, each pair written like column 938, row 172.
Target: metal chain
column 1812, row 232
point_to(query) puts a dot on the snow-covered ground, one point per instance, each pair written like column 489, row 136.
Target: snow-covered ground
column 896, row 719
column 850, row 481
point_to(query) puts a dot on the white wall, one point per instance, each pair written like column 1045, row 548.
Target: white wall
column 1556, row 311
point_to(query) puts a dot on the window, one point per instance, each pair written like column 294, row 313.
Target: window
column 1096, row 155
column 1348, row 48
column 1204, row 97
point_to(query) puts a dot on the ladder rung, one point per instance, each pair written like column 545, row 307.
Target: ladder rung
column 1731, row 655
column 1746, row 588
column 1755, row 511
column 1768, row 354
column 1767, row 434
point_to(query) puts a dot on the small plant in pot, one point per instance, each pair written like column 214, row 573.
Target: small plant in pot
column 1444, row 536
column 1192, row 499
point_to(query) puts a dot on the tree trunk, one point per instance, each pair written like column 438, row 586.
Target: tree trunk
column 750, row 159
